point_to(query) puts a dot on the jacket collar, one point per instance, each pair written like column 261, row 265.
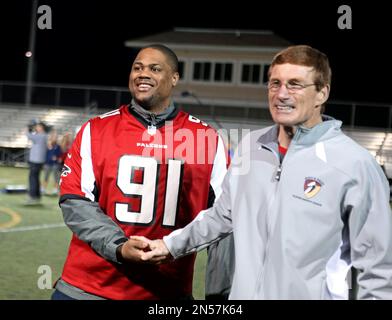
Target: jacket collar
column 149, row 118
column 328, row 128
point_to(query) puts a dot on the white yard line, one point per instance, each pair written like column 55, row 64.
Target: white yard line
column 36, row 227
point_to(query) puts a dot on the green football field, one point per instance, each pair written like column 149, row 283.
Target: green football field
column 34, row 243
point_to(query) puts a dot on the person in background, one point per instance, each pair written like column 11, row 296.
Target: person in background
column 52, row 163
column 37, row 156
column 65, row 146
column 220, row 269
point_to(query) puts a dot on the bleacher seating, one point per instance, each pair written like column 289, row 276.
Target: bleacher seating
column 14, row 121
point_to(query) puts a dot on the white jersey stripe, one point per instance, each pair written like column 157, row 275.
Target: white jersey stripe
column 87, row 174
column 219, row 168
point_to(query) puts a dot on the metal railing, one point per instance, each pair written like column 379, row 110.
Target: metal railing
column 356, row 116
column 353, row 114
column 57, row 94
column 11, row 157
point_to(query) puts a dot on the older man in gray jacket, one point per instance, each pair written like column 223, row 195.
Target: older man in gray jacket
column 311, row 204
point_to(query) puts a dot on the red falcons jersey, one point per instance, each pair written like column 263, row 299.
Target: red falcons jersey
column 150, row 181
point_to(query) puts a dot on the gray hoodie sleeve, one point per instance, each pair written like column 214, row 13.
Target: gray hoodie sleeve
column 91, row 225
column 370, row 224
column 209, row 226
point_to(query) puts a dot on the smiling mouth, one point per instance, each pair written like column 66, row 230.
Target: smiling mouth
column 284, row 108
column 144, row 86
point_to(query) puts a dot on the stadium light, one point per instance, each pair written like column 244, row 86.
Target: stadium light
column 30, row 54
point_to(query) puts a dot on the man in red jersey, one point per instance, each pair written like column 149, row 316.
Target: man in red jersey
column 144, row 169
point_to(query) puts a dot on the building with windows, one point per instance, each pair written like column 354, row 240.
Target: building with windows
column 221, row 71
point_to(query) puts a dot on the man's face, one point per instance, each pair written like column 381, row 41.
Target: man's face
column 152, row 79
column 296, row 106
column 39, row 128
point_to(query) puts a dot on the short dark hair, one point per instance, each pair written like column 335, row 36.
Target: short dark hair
column 169, row 53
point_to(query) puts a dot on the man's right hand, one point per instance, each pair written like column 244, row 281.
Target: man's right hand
column 133, row 250
column 158, row 251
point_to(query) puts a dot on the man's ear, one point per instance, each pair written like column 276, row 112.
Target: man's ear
column 322, row 95
column 175, row 78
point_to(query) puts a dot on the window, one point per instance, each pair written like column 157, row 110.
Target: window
column 202, row 71
column 213, row 71
column 223, row 72
column 250, row 73
column 265, row 73
column 181, row 68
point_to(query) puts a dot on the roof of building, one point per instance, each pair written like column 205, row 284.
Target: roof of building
column 213, row 38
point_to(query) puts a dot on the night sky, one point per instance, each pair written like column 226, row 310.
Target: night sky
column 86, row 43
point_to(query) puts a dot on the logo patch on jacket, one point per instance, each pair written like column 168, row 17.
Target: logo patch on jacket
column 312, row 186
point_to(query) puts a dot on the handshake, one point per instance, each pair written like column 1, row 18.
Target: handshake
column 143, row 250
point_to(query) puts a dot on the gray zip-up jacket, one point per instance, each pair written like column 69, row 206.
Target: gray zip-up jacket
column 301, row 224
